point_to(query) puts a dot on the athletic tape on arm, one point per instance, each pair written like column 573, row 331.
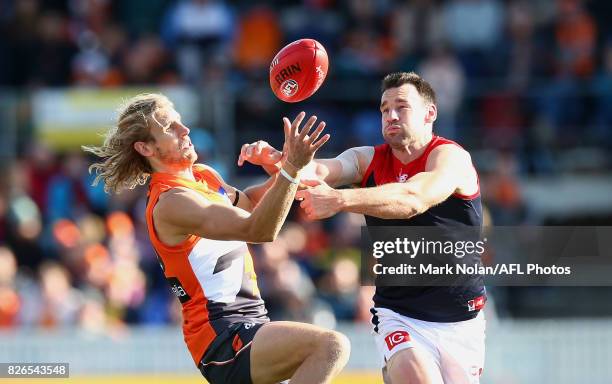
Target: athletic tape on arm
column 351, row 168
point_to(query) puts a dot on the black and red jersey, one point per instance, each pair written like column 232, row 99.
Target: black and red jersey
column 438, row 304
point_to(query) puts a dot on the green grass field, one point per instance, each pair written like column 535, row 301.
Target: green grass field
column 347, row 378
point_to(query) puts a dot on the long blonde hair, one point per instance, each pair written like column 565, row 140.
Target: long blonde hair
column 122, row 166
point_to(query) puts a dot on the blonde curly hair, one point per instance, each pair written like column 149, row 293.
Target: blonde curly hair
column 122, row 166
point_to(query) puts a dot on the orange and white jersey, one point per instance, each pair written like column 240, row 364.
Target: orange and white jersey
column 213, row 279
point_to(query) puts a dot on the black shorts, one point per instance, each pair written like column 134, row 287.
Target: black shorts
column 228, row 359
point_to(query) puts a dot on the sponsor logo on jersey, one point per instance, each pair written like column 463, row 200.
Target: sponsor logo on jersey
column 178, row 290
column 396, row 338
column 249, row 325
column 402, row 178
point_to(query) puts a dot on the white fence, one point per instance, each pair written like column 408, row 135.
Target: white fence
column 574, row 351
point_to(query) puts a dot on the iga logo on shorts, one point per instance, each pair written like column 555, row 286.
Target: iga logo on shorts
column 396, row 338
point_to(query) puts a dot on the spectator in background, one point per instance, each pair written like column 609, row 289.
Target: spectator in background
column 200, row 30
column 519, row 55
column 60, row 301
column 141, row 17
column 564, row 104
column 415, row 27
column 114, row 43
column 24, row 221
column 258, row 38
column 10, row 300
column 366, row 48
column 3, row 214
column 148, row 62
column 445, row 74
column 288, row 290
column 473, row 27
column 575, row 34
column 92, row 316
column 5, row 44
column 67, row 189
column 54, row 51
column 340, row 287
column 365, row 51
column 500, row 184
column 89, row 16
column 90, row 65
column 317, row 19
column 603, row 88
column 126, row 287
column 41, row 168
column 22, row 38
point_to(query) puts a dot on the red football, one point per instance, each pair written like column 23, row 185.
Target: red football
column 298, row 70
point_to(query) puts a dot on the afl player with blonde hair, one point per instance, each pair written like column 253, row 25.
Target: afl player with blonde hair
column 200, row 226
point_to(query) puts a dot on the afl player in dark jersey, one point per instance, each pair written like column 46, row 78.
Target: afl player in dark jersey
column 424, row 334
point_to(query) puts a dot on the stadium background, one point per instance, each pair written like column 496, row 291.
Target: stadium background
column 525, row 86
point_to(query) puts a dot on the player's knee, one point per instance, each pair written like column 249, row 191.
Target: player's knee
column 336, row 347
column 408, row 366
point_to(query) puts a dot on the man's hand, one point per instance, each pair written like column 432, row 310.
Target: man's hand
column 320, row 201
column 298, row 149
column 260, row 153
column 301, row 146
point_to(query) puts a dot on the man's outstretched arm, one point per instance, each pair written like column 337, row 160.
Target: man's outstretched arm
column 345, row 169
column 448, row 168
column 182, row 211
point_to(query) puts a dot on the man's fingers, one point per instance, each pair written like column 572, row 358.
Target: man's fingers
column 258, row 148
column 319, row 143
column 311, row 182
column 308, row 210
column 242, row 153
column 286, row 128
column 296, row 123
column 316, row 132
column 307, row 127
column 299, row 195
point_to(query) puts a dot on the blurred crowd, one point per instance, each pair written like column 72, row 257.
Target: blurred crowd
column 510, row 74
column 523, row 78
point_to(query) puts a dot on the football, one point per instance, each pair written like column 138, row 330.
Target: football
column 298, row 70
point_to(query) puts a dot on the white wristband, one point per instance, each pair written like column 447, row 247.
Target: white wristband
column 292, row 180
